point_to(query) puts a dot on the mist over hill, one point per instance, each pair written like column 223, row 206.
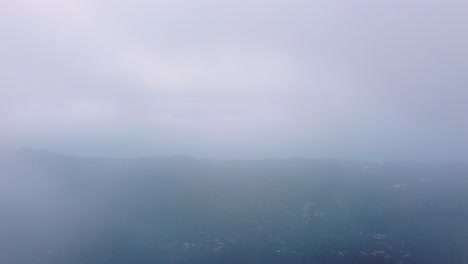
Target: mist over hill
column 64, row 209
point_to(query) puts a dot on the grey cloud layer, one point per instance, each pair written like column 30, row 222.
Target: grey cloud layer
column 354, row 79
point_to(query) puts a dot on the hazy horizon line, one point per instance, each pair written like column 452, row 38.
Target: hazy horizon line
column 201, row 158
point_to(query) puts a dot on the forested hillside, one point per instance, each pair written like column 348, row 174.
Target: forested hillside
column 72, row 210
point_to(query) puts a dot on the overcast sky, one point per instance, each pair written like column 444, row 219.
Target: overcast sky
column 360, row 79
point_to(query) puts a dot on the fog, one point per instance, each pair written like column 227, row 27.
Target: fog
column 376, row 80
column 222, row 131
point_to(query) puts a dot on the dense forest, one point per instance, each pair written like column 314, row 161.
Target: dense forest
column 73, row 210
